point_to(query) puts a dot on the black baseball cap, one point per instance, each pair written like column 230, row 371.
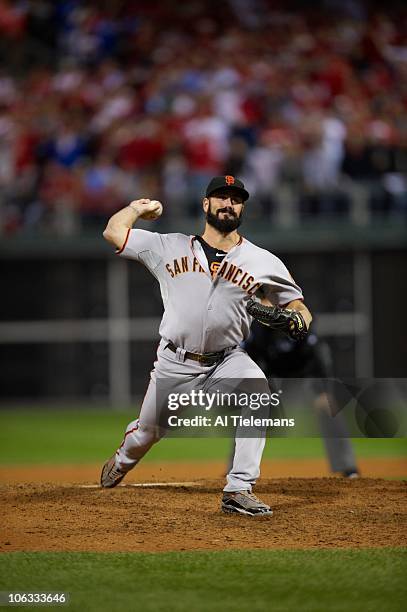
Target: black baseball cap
column 227, row 182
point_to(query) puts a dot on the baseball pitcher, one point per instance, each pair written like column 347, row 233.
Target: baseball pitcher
column 210, row 286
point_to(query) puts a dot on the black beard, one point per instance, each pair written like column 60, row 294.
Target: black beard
column 224, row 226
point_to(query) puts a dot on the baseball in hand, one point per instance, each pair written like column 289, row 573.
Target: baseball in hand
column 158, row 211
column 151, row 209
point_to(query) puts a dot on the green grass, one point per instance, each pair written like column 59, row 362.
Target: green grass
column 78, row 436
column 320, row 580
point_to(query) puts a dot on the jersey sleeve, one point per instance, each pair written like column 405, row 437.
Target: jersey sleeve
column 280, row 287
column 143, row 246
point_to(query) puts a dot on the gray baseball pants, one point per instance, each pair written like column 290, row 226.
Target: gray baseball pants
column 182, row 375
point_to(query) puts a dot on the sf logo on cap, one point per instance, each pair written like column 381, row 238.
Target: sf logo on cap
column 230, row 180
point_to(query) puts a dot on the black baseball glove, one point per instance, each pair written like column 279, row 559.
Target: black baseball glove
column 289, row 321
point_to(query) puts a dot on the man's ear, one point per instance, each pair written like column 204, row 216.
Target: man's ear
column 205, row 204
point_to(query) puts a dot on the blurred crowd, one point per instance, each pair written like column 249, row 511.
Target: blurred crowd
column 104, row 102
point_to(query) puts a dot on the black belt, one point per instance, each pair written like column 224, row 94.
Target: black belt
column 205, row 358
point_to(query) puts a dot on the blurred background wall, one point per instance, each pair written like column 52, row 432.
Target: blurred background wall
column 105, row 102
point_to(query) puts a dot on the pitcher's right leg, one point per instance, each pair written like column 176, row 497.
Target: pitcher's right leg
column 139, row 437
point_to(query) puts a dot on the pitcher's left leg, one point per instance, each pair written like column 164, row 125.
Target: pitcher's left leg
column 249, row 441
column 245, row 469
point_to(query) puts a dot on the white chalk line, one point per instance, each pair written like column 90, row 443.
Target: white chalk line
column 143, row 485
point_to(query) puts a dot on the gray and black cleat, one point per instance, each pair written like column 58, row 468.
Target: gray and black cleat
column 111, row 474
column 244, row 502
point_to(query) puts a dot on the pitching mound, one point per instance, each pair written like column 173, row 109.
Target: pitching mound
column 308, row 513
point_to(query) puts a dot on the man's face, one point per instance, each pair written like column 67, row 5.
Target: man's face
column 224, row 210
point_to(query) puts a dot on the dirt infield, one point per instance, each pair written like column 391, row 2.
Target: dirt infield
column 308, row 513
column 385, row 467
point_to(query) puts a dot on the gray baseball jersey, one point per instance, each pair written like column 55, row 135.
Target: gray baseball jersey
column 205, row 313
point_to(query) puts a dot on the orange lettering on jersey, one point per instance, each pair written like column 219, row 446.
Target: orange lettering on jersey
column 248, row 282
column 236, row 274
column 184, row 262
column 222, row 269
column 230, row 272
column 253, row 290
column 215, row 267
column 242, row 279
column 169, row 270
column 177, row 269
column 219, row 269
column 230, row 180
